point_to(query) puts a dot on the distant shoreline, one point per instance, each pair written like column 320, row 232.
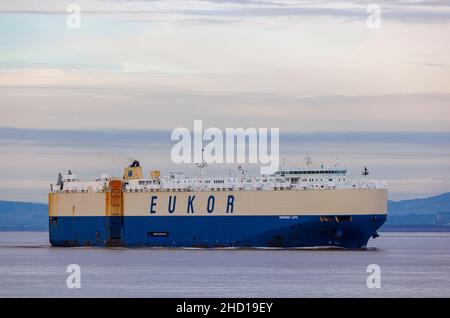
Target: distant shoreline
column 414, row 229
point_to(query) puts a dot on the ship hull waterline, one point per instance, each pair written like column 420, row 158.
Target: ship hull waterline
column 293, row 231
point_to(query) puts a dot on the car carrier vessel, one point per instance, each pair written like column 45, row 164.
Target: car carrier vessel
column 305, row 207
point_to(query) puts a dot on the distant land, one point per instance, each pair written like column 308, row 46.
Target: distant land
column 23, row 216
column 431, row 214
column 428, row 214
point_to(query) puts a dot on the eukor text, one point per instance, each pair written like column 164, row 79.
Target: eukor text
column 210, row 204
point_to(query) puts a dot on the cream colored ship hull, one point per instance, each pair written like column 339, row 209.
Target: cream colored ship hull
column 245, row 203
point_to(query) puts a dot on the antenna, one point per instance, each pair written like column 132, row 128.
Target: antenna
column 284, row 164
column 202, row 165
column 308, row 160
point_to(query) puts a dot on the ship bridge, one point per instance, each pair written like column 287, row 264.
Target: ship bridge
column 309, row 171
column 330, row 176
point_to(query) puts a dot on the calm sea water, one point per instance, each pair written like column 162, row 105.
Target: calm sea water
column 412, row 265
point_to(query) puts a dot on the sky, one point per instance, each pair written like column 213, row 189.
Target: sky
column 91, row 98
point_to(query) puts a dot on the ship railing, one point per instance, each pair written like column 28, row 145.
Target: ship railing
column 258, row 187
column 77, row 191
column 239, row 187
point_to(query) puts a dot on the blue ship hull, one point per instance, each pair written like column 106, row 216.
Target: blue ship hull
column 216, row 231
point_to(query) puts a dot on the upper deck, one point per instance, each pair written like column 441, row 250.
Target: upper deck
column 285, row 179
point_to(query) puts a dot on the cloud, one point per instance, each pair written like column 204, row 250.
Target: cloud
column 91, row 99
column 413, row 163
column 406, row 11
column 123, row 107
column 434, row 65
column 135, row 138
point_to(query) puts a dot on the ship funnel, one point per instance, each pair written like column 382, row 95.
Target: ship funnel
column 133, row 171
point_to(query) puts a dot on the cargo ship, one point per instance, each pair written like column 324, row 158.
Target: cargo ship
column 292, row 208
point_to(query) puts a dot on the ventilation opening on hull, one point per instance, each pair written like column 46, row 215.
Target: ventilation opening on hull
column 157, row 234
column 343, row 218
column 327, row 219
column 338, row 219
